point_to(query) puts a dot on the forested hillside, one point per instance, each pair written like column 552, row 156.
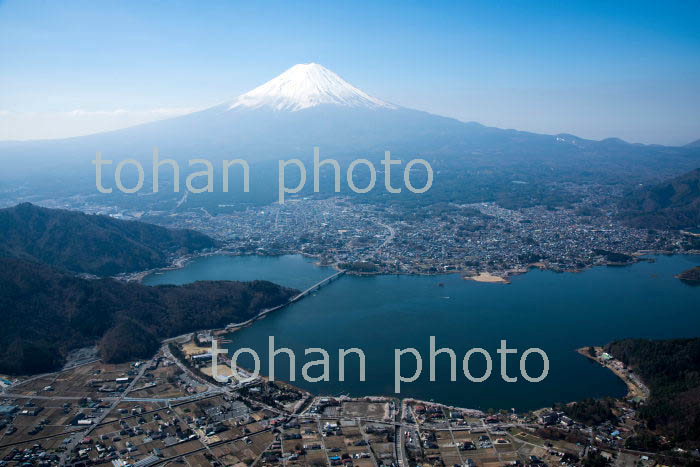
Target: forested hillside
column 46, row 313
column 92, row 244
column 671, row 369
column 674, row 204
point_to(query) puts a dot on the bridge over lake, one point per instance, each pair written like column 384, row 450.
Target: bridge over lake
column 317, row 286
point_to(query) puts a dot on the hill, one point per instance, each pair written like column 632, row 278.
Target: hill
column 673, row 204
column 47, row 312
column 91, row 244
column 691, row 276
column 671, row 369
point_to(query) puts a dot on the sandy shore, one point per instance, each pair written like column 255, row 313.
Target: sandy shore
column 487, row 278
column 635, row 387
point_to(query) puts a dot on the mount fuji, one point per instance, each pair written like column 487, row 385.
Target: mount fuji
column 309, row 105
column 304, row 86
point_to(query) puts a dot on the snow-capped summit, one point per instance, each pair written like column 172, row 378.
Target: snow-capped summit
column 307, row 85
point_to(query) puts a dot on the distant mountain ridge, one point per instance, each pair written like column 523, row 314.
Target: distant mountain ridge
column 92, row 244
column 673, row 204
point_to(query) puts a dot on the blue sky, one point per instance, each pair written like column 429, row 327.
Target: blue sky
column 595, row 69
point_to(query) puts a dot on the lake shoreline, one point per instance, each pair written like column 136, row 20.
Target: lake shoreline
column 636, row 389
column 460, row 308
column 475, row 275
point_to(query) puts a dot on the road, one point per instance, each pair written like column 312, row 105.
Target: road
column 76, row 437
column 390, row 238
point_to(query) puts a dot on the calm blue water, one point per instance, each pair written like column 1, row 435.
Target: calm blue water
column 555, row 312
column 290, row 270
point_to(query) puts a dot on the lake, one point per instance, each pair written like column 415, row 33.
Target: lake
column 556, row 312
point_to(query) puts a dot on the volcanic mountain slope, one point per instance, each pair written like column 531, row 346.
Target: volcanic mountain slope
column 309, row 105
column 91, row 244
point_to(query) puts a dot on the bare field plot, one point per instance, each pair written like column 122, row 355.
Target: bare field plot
column 362, row 409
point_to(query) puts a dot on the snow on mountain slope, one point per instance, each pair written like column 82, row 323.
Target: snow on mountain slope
column 307, row 85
